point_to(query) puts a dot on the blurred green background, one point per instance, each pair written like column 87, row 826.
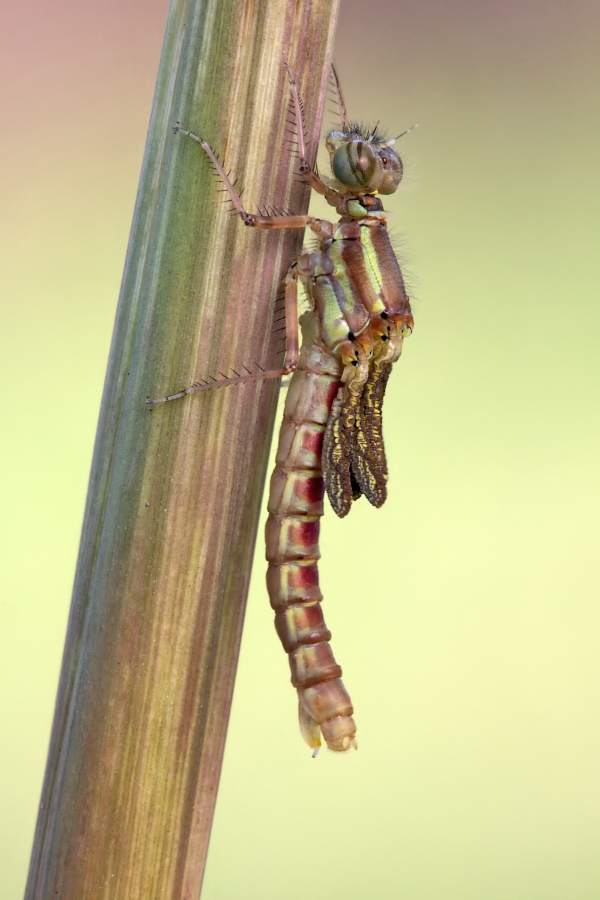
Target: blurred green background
column 465, row 612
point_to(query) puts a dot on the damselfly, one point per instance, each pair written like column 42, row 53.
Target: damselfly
column 331, row 435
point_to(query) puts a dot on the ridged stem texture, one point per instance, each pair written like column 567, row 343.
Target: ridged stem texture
column 172, row 510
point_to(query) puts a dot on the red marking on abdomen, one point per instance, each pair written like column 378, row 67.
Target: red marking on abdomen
column 313, row 489
column 307, row 533
column 313, row 441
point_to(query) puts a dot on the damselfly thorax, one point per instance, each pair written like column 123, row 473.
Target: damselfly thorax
column 331, row 435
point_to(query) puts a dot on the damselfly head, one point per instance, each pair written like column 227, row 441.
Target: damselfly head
column 362, row 160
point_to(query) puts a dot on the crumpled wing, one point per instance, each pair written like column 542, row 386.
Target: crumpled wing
column 367, row 454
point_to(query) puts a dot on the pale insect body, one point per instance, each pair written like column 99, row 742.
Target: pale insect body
column 330, row 438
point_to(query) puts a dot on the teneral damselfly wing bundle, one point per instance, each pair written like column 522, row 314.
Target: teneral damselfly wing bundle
column 331, row 435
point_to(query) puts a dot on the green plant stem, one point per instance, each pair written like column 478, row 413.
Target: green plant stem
column 174, row 496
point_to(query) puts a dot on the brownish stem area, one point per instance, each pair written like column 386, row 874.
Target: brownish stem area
column 174, row 497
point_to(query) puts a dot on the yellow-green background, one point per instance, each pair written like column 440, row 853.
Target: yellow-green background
column 465, row 613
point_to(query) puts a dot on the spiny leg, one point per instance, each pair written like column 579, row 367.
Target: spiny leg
column 339, row 97
column 319, row 226
column 332, row 196
column 291, row 350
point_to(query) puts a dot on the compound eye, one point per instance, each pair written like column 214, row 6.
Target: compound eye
column 392, row 170
column 356, row 165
